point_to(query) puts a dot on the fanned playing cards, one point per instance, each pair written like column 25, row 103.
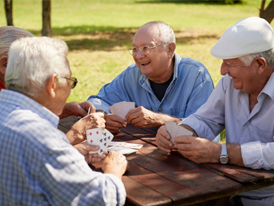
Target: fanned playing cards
column 121, row 109
column 98, row 138
column 176, row 131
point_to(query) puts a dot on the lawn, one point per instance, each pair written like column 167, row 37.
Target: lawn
column 98, row 33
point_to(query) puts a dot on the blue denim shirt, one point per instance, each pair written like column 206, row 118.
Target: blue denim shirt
column 189, row 89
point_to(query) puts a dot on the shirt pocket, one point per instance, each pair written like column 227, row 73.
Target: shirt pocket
column 263, row 136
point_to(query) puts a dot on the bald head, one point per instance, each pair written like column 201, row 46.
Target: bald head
column 159, row 30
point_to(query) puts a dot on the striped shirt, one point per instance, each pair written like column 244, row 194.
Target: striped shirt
column 38, row 166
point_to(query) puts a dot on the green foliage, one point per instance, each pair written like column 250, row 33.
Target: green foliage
column 98, row 32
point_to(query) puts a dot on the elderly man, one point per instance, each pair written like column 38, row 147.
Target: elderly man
column 163, row 85
column 76, row 135
column 38, row 165
column 8, row 34
column 242, row 103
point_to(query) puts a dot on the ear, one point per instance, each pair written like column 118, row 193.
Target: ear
column 171, row 49
column 261, row 64
column 51, row 85
column 3, row 65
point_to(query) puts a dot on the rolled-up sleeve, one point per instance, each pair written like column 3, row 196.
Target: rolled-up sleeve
column 257, row 155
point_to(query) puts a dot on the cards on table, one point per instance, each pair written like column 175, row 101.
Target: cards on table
column 121, row 109
column 176, row 131
column 124, row 147
column 125, row 151
column 98, row 138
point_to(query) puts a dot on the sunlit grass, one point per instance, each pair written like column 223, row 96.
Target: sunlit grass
column 99, row 32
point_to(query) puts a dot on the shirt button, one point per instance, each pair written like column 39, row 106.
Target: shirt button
column 160, row 109
column 247, row 123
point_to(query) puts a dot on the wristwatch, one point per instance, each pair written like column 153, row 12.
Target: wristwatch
column 102, row 111
column 224, row 157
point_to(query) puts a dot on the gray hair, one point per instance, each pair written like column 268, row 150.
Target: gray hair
column 166, row 33
column 267, row 55
column 32, row 61
column 9, row 34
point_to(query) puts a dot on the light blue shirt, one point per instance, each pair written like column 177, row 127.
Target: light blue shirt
column 229, row 108
column 38, row 166
column 189, row 89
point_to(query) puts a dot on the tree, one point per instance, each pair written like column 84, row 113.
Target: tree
column 46, row 7
column 268, row 13
column 8, row 11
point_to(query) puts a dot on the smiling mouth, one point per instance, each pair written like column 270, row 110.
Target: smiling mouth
column 145, row 64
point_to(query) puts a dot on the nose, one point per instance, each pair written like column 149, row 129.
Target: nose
column 224, row 68
column 139, row 54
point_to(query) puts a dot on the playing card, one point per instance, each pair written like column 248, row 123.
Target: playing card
column 133, row 146
column 104, row 141
column 122, row 108
column 176, row 131
column 125, row 151
column 127, row 145
column 116, row 144
column 93, row 135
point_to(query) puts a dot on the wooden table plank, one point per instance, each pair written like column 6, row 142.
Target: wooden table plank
column 242, row 174
column 138, row 194
column 191, row 177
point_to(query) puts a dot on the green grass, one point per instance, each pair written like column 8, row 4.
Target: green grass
column 99, row 32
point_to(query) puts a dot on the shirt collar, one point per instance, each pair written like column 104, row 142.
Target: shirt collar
column 175, row 70
column 268, row 88
column 24, row 102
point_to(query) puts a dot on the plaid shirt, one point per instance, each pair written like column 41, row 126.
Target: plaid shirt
column 38, row 166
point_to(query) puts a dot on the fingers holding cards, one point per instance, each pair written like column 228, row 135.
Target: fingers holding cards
column 121, row 109
column 176, row 131
column 101, row 139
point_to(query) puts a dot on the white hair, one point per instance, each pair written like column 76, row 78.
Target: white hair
column 267, row 55
column 9, row 34
column 166, row 33
column 33, row 60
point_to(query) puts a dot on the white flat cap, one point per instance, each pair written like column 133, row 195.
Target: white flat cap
column 247, row 36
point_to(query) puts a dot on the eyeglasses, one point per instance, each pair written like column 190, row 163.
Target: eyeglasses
column 73, row 81
column 144, row 50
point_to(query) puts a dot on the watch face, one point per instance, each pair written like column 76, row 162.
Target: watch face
column 223, row 159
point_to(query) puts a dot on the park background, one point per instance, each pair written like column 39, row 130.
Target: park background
column 98, row 33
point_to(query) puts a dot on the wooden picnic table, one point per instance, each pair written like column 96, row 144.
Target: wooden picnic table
column 155, row 178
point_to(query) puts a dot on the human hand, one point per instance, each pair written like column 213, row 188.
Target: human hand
column 77, row 109
column 114, row 123
column 84, row 148
column 142, row 117
column 163, row 140
column 115, row 163
column 199, row 150
column 78, row 131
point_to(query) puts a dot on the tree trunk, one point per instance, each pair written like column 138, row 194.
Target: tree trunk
column 8, row 11
column 268, row 13
column 46, row 30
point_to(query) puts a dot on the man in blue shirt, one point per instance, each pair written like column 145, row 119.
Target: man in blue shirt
column 38, row 165
column 163, row 85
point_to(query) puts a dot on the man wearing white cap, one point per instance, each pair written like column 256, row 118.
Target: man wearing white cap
column 242, row 103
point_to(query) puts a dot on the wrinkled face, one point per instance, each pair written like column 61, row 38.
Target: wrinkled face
column 155, row 64
column 245, row 78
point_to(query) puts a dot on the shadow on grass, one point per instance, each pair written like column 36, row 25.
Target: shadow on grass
column 110, row 38
column 85, row 29
column 204, row 2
